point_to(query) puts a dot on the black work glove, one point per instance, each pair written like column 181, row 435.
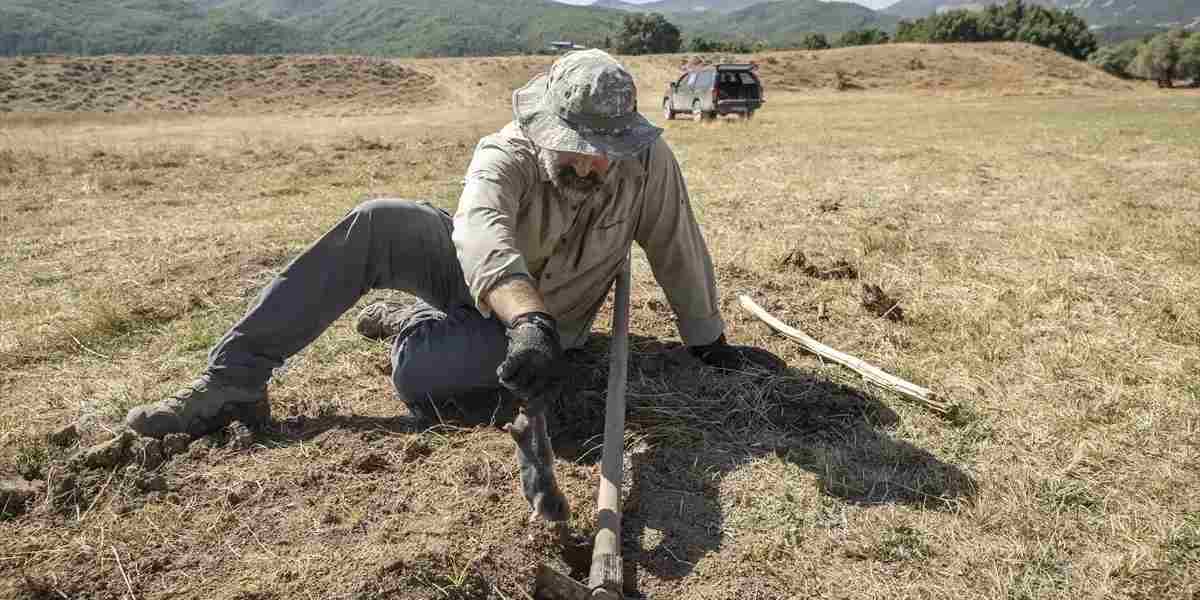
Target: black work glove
column 721, row 355
column 534, row 368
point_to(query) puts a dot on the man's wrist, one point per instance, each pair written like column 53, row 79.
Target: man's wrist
column 542, row 320
column 536, row 317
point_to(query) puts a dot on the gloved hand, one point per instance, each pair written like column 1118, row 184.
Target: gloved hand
column 534, row 368
column 721, row 355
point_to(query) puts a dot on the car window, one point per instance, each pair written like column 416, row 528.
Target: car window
column 748, row 79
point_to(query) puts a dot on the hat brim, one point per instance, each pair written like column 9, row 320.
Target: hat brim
column 548, row 130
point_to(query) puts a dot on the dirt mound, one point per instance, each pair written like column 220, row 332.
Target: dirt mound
column 207, row 83
column 989, row 67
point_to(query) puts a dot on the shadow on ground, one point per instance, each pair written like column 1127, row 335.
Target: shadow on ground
column 699, row 425
column 704, row 424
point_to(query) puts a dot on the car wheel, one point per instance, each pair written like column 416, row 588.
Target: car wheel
column 697, row 113
column 668, row 112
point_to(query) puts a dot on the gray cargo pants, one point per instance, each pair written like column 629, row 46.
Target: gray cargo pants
column 446, row 350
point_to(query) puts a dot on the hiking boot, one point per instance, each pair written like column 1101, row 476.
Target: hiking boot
column 201, row 408
column 382, row 320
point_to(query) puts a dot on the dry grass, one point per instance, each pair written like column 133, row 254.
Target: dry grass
column 1044, row 249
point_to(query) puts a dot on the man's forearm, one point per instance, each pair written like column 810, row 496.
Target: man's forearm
column 514, row 296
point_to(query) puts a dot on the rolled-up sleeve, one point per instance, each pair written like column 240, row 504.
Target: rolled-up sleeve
column 485, row 221
column 668, row 232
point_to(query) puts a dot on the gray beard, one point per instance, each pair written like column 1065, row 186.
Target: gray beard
column 570, row 187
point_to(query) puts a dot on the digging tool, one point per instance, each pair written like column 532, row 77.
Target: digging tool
column 869, row 373
column 606, row 578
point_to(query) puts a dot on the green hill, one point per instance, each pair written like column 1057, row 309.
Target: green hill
column 136, row 27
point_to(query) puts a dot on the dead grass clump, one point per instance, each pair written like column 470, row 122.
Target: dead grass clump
column 838, row 269
column 880, row 304
column 359, row 143
column 9, row 163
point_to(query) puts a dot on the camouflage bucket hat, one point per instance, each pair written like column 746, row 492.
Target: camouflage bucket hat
column 586, row 104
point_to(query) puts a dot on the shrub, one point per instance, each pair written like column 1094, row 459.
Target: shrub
column 1159, row 58
column 863, row 37
column 703, row 44
column 1116, row 59
column 648, row 34
column 1189, row 58
column 815, row 41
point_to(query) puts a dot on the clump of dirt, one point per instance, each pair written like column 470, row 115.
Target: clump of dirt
column 880, row 304
column 829, row 206
column 838, row 269
column 16, row 494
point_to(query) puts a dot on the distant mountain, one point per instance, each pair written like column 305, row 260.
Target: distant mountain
column 615, row 5
column 393, row 27
column 696, row 6
column 668, row 6
column 786, row 21
column 1095, row 12
column 390, row 27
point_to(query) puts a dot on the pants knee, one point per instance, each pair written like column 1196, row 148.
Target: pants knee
column 411, row 386
column 396, row 211
column 440, row 355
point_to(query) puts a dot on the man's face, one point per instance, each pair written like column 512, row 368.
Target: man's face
column 575, row 175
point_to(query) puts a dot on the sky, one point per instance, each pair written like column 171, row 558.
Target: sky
column 874, row 4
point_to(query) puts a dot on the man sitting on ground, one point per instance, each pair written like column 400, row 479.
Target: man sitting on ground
column 550, row 207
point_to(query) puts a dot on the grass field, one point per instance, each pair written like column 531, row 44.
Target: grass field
column 1038, row 222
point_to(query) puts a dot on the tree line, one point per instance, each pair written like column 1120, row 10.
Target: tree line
column 1014, row 21
column 1164, row 58
column 652, row 33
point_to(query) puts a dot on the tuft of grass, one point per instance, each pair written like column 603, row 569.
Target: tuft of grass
column 896, row 544
column 32, row 459
column 1068, row 493
column 1183, row 545
column 1040, row 576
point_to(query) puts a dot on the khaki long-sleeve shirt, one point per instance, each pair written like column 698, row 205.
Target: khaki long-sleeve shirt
column 511, row 221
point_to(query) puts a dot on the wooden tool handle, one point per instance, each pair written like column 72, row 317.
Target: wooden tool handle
column 606, row 572
column 870, row 373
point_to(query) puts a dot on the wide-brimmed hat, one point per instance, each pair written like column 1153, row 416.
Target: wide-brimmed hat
column 587, row 103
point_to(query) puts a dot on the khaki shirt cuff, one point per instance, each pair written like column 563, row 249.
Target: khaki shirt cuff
column 699, row 332
column 514, row 265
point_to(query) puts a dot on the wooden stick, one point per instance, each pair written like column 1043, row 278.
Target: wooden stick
column 607, row 572
column 870, row 373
